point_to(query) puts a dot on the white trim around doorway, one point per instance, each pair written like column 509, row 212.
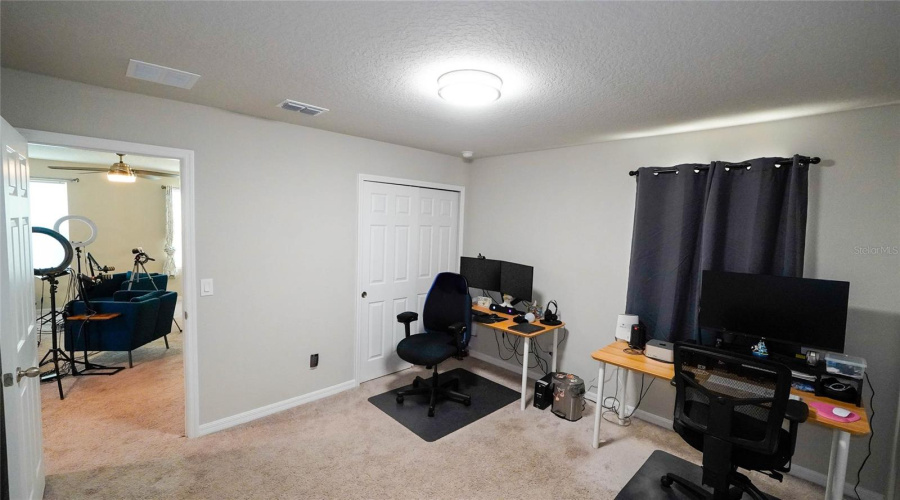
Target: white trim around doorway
column 189, row 256
column 404, row 182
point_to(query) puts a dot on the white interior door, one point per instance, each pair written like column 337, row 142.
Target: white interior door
column 407, row 235
column 18, row 344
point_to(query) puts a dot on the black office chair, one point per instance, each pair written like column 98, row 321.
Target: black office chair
column 732, row 408
column 447, row 318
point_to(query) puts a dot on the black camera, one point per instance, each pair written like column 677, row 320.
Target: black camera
column 140, row 256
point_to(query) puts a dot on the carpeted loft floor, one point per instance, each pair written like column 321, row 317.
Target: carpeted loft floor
column 121, row 437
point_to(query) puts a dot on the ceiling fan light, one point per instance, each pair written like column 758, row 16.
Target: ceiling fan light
column 120, row 176
column 469, row 87
column 120, row 171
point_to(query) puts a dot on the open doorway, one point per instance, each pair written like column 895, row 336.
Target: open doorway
column 103, row 378
column 153, row 214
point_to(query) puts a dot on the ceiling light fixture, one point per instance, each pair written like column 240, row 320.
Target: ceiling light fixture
column 121, row 171
column 469, row 87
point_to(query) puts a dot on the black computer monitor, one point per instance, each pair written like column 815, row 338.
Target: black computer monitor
column 481, row 273
column 796, row 311
column 516, row 280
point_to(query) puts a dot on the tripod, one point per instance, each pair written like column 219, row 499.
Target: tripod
column 55, row 353
column 89, row 312
column 141, row 258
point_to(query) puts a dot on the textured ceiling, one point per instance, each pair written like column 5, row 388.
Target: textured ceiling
column 573, row 73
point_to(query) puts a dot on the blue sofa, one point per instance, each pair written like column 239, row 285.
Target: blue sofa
column 145, row 317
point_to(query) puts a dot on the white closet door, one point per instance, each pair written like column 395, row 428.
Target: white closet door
column 408, row 235
column 438, row 236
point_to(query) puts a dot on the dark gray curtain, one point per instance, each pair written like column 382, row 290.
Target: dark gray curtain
column 725, row 218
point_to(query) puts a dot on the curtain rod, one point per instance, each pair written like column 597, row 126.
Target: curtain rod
column 55, row 179
column 812, row 160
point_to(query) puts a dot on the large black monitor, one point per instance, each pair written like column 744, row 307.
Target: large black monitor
column 796, row 311
column 481, row 273
column 516, row 280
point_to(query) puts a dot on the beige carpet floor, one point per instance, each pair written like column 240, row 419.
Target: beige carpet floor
column 121, row 437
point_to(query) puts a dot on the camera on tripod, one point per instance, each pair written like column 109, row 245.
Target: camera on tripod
column 140, row 257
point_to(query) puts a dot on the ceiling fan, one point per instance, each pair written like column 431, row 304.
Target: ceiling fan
column 120, row 171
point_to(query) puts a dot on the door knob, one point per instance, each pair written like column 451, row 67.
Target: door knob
column 364, row 295
column 31, row 372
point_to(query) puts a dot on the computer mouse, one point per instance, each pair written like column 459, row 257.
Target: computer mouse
column 840, row 412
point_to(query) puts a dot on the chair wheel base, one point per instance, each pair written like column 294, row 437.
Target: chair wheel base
column 437, row 390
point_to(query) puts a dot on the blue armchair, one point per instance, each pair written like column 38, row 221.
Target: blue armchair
column 145, row 317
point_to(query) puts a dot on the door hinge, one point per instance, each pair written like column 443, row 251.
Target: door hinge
column 185, row 315
column 7, row 380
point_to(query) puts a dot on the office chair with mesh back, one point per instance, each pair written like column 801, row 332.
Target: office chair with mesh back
column 732, row 408
column 447, row 318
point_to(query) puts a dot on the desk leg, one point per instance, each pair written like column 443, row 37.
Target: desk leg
column 623, row 379
column 555, row 348
column 598, row 411
column 837, row 465
column 525, row 371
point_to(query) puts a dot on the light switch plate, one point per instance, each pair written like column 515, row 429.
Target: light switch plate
column 206, row 287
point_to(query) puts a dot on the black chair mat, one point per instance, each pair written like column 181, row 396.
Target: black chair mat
column 449, row 416
column 645, row 484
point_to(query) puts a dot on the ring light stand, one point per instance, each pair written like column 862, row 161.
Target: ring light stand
column 51, row 275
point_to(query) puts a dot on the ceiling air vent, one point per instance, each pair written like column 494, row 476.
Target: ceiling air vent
column 306, row 109
column 161, row 74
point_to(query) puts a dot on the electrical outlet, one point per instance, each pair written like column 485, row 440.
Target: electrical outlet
column 313, row 360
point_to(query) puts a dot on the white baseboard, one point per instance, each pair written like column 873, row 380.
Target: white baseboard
column 248, row 416
column 820, row 479
column 796, row 470
column 508, row 365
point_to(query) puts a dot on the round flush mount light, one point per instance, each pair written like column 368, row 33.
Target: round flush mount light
column 469, row 87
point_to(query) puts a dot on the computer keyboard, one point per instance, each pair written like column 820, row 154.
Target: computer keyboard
column 480, row 317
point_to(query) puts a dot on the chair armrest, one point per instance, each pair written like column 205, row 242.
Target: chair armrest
column 458, row 330
column 406, row 318
column 796, row 411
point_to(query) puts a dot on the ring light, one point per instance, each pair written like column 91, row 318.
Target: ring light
column 67, row 252
column 88, row 222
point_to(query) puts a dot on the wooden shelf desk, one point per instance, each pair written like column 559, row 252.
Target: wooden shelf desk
column 504, row 326
column 614, row 354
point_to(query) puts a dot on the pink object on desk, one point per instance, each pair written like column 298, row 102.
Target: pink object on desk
column 824, row 410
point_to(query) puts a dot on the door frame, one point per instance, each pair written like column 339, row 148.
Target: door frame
column 189, row 256
column 361, row 178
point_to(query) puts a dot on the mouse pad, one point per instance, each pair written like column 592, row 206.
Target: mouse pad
column 526, row 328
column 824, row 410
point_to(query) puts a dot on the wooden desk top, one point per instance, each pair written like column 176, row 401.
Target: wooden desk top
column 615, row 354
column 504, row 326
column 95, row 317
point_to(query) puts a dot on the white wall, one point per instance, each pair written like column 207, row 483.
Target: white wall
column 569, row 213
column 276, row 228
